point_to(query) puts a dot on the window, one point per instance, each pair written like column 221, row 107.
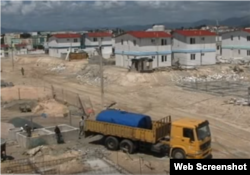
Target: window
column 238, row 51
column 67, row 39
column 152, row 41
column 232, row 38
column 218, row 47
column 75, row 40
column 203, row 39
column 202, row 54
column 248, row 38
column 94, row 39
column 134, row 41
column 239, row 37
column 192, row 56
column 122, row 41
column 163, row 58
column 188, row 133
column 101, row 39
column 153, row 57
column 248, row 52
column 192, row 40
column 163, row 42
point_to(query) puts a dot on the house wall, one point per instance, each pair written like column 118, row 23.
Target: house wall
column 21, row 52
column 182, row 50
column 144, row 47
column 3, row 52
column 237, row 47
column 62, row 45
column 64, row 42
column 106, row 42
column 56, row 52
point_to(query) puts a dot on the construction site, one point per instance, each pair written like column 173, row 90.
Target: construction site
column 54, row 92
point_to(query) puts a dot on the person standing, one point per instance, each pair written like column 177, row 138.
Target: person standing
column 28, row 130
column 58, row 134
column 81, row 127
column 22, row 71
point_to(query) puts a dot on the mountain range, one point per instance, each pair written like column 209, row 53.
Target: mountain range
column 232, row 22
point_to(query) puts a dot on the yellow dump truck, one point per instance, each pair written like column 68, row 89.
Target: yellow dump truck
column 181, row 139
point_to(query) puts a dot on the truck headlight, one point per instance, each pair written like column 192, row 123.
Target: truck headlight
column 198, row 152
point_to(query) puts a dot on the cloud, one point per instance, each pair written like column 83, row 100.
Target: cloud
column 59, row 14
column 157, row 4
column 108, row 4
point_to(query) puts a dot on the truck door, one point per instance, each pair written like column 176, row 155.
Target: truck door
column 188, row 140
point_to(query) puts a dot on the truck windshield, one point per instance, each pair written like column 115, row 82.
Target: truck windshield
column 203, row 131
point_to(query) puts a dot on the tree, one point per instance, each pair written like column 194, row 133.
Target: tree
column 25, row 35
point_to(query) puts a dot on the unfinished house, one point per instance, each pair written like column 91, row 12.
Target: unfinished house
column 4, row 50
column 236, row 44
column 192, row 48
column 143, row 51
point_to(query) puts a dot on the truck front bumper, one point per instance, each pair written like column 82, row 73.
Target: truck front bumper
column 204, row 155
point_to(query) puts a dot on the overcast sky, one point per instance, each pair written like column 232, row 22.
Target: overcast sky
column 60, row 14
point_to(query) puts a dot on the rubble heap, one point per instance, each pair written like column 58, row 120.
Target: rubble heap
column 241, row 101
column 215, row 77
column 58, row 68
column 91, row 74
column 236, row 60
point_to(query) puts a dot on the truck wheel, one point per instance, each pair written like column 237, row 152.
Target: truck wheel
column 111, row 143
column 178, row 154
column 127, row 146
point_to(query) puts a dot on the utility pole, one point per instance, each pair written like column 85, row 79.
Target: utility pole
column 12, row 48
column 99, row 51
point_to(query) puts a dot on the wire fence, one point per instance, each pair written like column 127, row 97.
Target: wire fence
column 119, row 162
column 237, row 88
column 93, row 162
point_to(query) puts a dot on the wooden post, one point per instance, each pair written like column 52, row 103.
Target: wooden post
column 63, row 94
column 70, row 118
column 53, row 92
column 140, row 161
column 19, row 95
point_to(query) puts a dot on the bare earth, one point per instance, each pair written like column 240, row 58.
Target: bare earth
column 153, row 94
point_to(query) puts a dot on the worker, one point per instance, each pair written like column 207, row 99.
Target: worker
column 58, row 134
column 3, row 155
column 22, row 71
column 81, row 127
column 28, row 130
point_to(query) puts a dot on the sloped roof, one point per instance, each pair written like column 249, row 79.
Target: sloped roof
column 98, row 34
column 195, row 32
column 4, row 46
column 21, row 45
column 149, row 34
column 246, row 30
column 67, row 35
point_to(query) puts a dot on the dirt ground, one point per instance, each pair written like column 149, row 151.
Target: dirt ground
column 153, row 94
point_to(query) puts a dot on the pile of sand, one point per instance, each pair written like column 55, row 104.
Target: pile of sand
column 72, row 167
column 51, row 108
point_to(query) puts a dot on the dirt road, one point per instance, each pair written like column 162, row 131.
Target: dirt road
column 230, row 137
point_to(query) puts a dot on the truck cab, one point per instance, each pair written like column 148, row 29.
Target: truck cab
column 190, row 139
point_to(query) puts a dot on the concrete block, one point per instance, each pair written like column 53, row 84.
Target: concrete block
column 46, row 136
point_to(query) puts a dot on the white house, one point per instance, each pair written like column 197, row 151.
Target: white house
column 62, row 43
column 21, row 49
column 3, row 50
column 143, row 50
column 236, row 44
column 91, row 42
column 193, row 48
